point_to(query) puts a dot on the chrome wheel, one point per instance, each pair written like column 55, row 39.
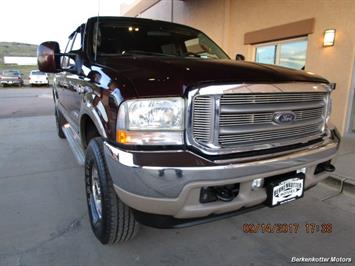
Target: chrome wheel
column 96, row 192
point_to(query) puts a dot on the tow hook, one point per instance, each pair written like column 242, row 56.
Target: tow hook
column 224, row 194
column 326, row 166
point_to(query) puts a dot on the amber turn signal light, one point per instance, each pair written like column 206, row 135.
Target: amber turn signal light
column 121, row 136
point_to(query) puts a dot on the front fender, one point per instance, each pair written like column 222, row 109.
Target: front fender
column 97, row 113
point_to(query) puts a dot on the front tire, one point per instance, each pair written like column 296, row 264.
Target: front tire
column 60, row 122
column 111, row 220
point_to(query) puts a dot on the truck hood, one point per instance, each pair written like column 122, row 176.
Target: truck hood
column 171, row 76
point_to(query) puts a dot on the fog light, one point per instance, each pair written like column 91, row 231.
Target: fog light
column 302, row 170
column 257, row 183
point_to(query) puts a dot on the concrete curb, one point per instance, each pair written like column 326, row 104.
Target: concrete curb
column 342, row 183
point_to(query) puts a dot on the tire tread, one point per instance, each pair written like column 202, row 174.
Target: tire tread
column 60, row 121
column 120, row 224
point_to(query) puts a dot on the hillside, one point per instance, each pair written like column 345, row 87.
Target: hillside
column 16, row 49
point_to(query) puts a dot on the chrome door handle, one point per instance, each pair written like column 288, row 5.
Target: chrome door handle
column 82, row 89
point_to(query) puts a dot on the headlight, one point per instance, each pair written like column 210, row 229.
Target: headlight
column 158, row 121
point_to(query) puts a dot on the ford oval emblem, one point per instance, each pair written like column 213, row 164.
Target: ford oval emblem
column 284, row 117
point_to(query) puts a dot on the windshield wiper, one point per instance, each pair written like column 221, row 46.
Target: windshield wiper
column 191, row 54
column 141, row 52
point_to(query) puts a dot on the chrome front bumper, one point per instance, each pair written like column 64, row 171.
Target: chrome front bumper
column 175, row 191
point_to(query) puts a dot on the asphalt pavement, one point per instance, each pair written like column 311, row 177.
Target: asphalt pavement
column 25, row 102
column 344, row 176
column 44, row 221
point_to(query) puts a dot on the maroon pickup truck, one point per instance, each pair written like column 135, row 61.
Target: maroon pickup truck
column 172, row 132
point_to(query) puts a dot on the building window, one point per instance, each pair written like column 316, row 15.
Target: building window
column 290, row 53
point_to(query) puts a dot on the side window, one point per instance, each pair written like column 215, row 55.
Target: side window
column 77, row 42
column 289, row 53
column 74, row 44
column 266, row 54
column 66, row 59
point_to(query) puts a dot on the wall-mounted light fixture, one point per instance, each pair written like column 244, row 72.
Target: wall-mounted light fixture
column 328, row 37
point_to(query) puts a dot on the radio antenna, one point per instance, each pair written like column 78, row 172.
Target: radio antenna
column 97, row 28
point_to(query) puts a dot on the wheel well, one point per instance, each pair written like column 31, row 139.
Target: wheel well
column 88, row 130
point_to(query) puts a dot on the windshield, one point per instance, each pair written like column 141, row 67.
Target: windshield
column 123, row 38
column 11, row 73
column 39, row 73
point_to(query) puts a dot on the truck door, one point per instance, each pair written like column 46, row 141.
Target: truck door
column 71, row 81
column 61, row 84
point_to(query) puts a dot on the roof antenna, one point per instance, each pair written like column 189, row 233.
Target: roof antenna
column 97, row 28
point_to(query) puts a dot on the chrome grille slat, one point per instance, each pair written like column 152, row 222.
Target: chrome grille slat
column 242, row 108
column 247, row 119
column 271, row 98
column 266, row 127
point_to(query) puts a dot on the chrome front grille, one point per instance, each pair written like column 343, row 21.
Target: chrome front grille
column 246, row 121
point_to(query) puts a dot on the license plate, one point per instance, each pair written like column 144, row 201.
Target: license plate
column 286, row 190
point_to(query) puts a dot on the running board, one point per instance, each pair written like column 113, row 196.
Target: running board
column 74, row 143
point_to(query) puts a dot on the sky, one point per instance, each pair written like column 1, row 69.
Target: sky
column 37, row 21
